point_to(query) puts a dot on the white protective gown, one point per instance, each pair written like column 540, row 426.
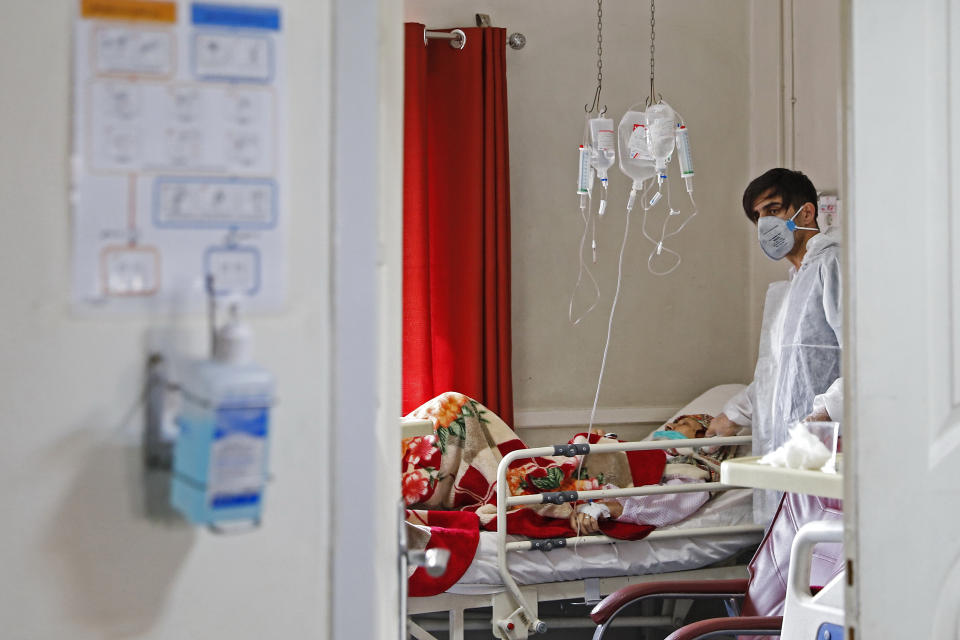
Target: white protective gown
column 798, row 365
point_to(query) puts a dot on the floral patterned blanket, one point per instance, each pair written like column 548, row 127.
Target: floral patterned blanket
column 456, row 469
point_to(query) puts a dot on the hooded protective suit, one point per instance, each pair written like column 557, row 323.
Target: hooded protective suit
column 798, row 366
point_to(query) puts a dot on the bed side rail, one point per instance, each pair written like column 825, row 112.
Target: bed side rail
column 524, row 613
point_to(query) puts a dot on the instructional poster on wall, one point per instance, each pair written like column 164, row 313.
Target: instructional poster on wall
column 177, row 159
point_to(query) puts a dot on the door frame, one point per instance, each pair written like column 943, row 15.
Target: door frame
column 366, row 259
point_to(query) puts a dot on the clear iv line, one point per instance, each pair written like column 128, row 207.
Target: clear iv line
column 658, row 245
column 587, row 218
column 606, row 348
column 613, row 308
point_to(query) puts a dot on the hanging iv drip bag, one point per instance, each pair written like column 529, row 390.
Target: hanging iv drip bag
column 647, row 140
column 636, row 161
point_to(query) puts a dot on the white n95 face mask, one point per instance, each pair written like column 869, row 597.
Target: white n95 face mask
column 776, row 235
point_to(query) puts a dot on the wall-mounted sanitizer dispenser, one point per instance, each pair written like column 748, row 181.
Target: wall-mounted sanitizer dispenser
column 220, row 456
column 220, row 453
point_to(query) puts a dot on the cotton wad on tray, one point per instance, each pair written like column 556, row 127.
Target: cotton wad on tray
column 806, row 449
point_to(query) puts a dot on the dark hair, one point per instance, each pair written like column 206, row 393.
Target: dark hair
column 792, row 186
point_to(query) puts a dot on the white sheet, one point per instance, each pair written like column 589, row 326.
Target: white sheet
column 625, row 558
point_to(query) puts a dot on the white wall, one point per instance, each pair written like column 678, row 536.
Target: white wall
column 674, row 336
column 794, row 109
column 80, row 559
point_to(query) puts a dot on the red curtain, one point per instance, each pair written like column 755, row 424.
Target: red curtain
column 456, row 209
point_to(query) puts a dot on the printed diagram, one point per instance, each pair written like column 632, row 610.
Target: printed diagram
column 121, row 101
column 185, row 105
column 177, row 165
column 232, row 57
column 234, row 269
column 183, row 146
column 121, row 50
column 130, row 270
column 157, row 127
column 224, row 204
column 242, row 108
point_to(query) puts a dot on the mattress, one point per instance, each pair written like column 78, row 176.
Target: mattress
column 639, row 557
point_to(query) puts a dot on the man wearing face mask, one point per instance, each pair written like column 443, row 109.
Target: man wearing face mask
column 797, row 376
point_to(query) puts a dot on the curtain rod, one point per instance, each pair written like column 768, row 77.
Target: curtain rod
column 458, row 39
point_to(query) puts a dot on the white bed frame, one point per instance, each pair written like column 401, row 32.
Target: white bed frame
column 515, row 608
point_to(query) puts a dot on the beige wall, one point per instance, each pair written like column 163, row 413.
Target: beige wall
column 800, row 134
column 80, row 559
column 673, row 337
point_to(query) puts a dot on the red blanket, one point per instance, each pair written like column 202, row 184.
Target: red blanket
column 456, row 469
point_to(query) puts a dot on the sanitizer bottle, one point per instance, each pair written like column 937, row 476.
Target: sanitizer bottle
column 220, row 456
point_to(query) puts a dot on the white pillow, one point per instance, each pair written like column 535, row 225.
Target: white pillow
column 710, row 401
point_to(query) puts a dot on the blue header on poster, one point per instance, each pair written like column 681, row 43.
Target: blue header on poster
column 223, row 15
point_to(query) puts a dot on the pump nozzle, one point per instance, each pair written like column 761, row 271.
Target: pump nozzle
column 233, row 341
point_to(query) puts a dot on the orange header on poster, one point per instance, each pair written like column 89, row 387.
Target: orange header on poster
column 139, row 10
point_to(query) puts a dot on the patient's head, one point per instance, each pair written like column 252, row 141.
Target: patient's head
column 693, row 425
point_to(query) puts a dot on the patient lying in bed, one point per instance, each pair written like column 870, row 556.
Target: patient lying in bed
column 684, row 466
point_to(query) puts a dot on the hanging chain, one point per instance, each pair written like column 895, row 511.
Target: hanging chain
column 599, row 50
column 596, row 96
column 653, row 38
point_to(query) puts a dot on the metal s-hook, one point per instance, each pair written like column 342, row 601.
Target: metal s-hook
column 589, row 108
column 596, row 96
column 653, row 37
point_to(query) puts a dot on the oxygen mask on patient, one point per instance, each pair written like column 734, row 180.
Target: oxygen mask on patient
column 664, row 434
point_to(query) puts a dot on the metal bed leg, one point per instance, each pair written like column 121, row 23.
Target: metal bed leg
column 681, row 608
column 419, row 632
column 456, row 624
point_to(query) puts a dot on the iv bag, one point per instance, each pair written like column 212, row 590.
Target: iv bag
column 604, row 143
column 635, row 158
column 661, row 122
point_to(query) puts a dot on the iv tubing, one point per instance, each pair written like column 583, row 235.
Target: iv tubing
column 583, row 267
column 664, row 235
column 606, row 347
column 613, row 308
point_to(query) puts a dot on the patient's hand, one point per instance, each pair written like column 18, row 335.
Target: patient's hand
column 722, row 426
column 584, row 523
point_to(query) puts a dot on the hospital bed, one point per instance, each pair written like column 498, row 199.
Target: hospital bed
column 507, row 568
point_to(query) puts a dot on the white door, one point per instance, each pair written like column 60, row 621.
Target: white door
column 903, row 357
column 367, row 105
